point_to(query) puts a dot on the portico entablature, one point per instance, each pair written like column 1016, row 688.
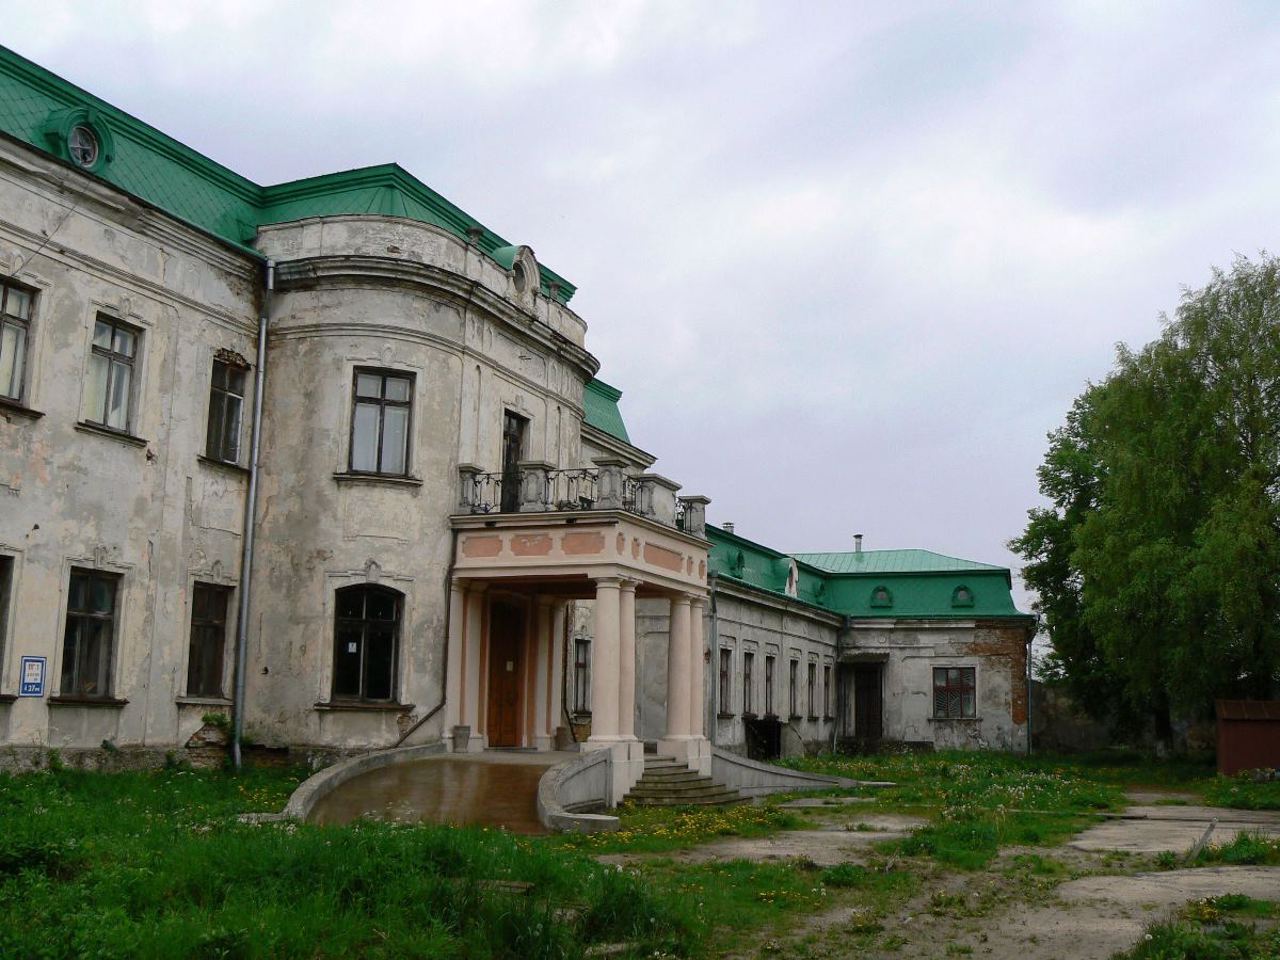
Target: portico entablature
column 573, row 545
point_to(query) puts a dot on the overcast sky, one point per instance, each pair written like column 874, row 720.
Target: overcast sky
column 849, row 262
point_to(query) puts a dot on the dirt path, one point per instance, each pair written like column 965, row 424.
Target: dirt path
column 1005, row 914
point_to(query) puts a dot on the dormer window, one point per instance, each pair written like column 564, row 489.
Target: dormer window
column 520, row 276
column 82, row 144
column 881, row 597
column 962, row 596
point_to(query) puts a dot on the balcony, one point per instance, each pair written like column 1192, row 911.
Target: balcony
column 537, row 487
column 560, row 531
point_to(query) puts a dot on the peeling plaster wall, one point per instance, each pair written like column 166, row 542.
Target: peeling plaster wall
column 911, row 650
column 156, row 513
column 323, row 529
column 150, row 509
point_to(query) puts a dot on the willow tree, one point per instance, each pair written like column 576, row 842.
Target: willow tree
column 1157, row 562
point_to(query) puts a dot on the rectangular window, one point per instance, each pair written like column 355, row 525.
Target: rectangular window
column 726, row 665
column 768, row 685
column 380, row 421
column 208, row 640
column 813, row 691
column 15, row 329
column 6, row 599
column 581, row 675
column 826, row 692
column 226, row 409
column 109, row 387
column 366, row 640
column 748, row 662
column 954, row 693
column 793, row 687
column 90, row 634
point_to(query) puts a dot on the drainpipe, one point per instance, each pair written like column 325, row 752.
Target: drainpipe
column 444, row 670
column 715, row 659
column 250, row 520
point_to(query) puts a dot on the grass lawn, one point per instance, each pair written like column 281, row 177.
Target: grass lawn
column 158, row 865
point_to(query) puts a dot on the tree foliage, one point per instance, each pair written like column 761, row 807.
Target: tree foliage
column 1157, row 560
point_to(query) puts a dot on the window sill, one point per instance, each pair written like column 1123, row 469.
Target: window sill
column 955, row 719
column 16, row 408
column 770, row 716
column 203, row 702
column 748, row 715
column 223, row 465
column 726, row 716
column 384, row 478
column 74, row 701
column 376, row 706
column 812, row 718
column 794, row 716
column 85, row 426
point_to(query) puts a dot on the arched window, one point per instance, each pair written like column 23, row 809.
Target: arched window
column 366, row 641
column 962, row 596
column 881, row 597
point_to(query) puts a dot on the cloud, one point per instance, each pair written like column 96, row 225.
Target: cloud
column 849, row 262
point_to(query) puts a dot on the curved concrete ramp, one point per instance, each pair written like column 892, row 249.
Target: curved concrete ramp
column 489, row 789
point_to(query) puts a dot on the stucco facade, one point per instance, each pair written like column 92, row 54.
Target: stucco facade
column 438, row 477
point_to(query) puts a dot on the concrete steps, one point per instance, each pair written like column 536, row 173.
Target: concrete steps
column 667, row 782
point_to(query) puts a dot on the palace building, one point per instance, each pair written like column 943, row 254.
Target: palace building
column 332, row 457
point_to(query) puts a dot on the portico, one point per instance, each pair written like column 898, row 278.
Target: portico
column 513, row 575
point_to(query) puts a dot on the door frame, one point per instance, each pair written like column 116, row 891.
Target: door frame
column 520, row 643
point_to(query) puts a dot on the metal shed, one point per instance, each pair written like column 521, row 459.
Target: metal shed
column 1248, row 735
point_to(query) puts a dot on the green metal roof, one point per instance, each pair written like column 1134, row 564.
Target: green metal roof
column 37, row 106
column 917, row 584
column 890, row 561
column 600, row 403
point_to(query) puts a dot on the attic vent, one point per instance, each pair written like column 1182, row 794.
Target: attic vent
column 881, row 597
column 962, row 596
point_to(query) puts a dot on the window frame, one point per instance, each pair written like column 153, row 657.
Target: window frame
column 219, row 397
column 770, row 678
column 811, row 680
column 382, row 403
column 69, row 671
column 725, row 688
column 793, row 687
column 952, row 690
column 340, row 622
column 114, row 358
column 8, row 592
column 582, row 676
column 748, row 667
column 204, row 623
column 22, row 355
column 826, row 691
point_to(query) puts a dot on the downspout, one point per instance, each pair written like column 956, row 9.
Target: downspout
column 250, row 520
column 444, row 670
column 715, row 657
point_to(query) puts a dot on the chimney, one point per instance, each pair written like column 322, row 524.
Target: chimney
column 857, row 543
column 727, row 527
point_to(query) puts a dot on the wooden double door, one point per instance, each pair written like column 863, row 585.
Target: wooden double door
column 507, row 627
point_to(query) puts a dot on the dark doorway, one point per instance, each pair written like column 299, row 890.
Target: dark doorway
column 868, row 712
column 506, row 642
column 764, row 739
column 513, row 431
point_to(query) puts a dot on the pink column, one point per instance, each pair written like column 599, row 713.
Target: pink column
column 697, row 670
column 627, row 660
column 678, row 669
column 604, row 660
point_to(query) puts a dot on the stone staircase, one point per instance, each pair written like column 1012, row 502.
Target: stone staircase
column 667, row 782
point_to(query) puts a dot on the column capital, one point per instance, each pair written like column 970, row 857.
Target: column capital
column 629, row 586
column 611, row 582
column 683, row 599
column 697, row 600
